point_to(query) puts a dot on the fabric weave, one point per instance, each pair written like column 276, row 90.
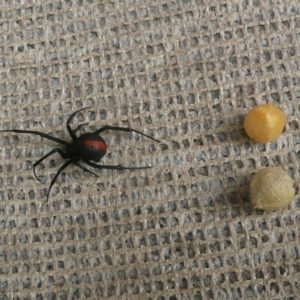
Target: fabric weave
column 185, row 72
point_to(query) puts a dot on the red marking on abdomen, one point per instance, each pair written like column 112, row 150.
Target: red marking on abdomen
column 96, row 144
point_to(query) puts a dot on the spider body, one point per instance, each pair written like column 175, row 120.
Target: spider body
column 89, row 147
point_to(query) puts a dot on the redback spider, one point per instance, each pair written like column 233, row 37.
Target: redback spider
column 88, row 147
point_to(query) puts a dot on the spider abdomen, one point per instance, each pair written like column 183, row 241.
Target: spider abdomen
column 91, row 146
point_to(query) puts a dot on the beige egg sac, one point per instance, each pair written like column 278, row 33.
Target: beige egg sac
column 271, row 188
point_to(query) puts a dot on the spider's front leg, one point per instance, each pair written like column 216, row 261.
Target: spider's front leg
column 73, row 132
column 65, row 165
column 58, row 150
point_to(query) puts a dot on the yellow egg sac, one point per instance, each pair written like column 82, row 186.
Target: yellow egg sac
column 264, row 123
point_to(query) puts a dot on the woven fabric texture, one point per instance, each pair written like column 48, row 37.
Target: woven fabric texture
column 185, row 72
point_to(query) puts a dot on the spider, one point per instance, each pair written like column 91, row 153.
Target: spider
column 88, row 147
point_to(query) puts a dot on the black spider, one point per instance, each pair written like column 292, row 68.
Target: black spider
column 87, row 147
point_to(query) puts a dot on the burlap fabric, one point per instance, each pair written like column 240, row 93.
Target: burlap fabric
column 185, row 72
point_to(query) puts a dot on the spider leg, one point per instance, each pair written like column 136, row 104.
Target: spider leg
column 63, row 155
column 44, row 135
column 72, row 132
column 79, row 126
column 119, row 167
column 66, row 164
column 84, row 168
column 126, row 129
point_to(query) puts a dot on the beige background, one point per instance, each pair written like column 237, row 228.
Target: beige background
column 185, row 72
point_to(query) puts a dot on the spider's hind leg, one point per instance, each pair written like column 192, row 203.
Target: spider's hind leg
column 84, row 168
column 126, row 129
column 112, row 167
column 79, row 126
